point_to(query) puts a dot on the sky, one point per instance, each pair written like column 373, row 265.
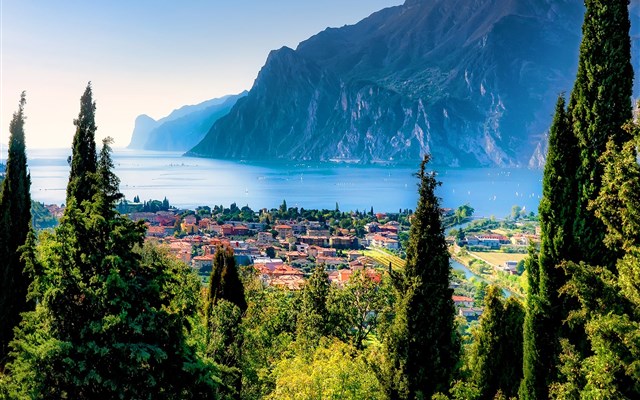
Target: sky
column 143, row 56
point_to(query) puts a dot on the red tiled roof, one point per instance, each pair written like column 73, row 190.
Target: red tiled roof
column 462, row 298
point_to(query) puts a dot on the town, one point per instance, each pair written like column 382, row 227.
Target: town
column 284, row 245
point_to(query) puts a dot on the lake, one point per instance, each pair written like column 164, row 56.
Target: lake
column 189, row 182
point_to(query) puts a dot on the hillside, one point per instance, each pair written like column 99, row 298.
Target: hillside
column 183, row 128
column 473, row 83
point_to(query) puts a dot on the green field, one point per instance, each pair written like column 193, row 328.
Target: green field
column 498, row 259
column 384, row 258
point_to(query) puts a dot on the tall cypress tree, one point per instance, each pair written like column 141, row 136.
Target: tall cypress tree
column 224, row 282
column 225, row 306
column 423, row 348
column 83, row 160
column 600, row 105
column 609, row 300
column 111, row 320
column 313, row 320
column 545, row 309
column 496, row 354
column 15, row 224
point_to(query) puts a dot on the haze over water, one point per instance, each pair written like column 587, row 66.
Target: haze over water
column 190, row 182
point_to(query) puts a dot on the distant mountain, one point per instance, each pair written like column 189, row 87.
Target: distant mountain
column 473, row 82
column 183, row 128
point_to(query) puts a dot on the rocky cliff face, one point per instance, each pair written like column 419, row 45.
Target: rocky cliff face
column 183, row 128
column 473, row 82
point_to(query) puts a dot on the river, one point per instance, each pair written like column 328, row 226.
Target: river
column 468, row 274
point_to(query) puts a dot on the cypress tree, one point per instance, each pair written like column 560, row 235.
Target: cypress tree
column 496, row 354
column 545, row 308
column 600, row 105
column 224, row 282
column 598, row 108
column 225, row 306
column 83, row 160
column 313, row 320
column 15, row 224
column 112, row 316
column 610, row 300
column 422, row 347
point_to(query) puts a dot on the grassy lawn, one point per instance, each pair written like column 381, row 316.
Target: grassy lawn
column 498, row 259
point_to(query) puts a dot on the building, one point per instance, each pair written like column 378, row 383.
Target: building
column 156, row 231
column 391, row 227
column 385, row 242
column 283, row 231
column 470, row 313
column 511, row 267
column 326, row 252
column 181, row 250
column 282, row 275
column 241, row 230
column 190, row 220
column 331, row 262
column 354, row 255
column 292, row 256
column 265, row 237
column 317, row 230
column 343, row 242
column 266, row 262
column 202, row 262
column 462, row 301
column 320, row 241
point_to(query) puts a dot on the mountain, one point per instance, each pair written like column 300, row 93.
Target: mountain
column 183, row 128
column 473, row 82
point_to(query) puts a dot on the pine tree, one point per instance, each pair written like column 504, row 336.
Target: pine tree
column 15, row 224
column 545, row 308
column 422, row 347
column 83, row 160
column 600, row 105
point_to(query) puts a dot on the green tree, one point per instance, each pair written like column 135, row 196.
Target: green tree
column 15, row 224
column 270, row 252
column 600, row 105
column 354, row 309
column 516, row 210
column 269, row 328
column 496, row 354
column 223, row 313
column 461, row 213
column 224, row 282
column 598, row 108
column 313, row 320
column 334, row 370
column 609, row 300
column 112, row 317
column 83, row 160
column 546, row 309
column 421, row 347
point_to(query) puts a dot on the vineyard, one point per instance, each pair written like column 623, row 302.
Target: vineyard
column 383, row 258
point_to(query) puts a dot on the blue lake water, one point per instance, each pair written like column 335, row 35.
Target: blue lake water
column 189, row 182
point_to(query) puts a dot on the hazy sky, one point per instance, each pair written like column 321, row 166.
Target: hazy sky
column 143, row 56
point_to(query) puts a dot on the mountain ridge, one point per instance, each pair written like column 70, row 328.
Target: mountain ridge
column 471, row 82
column 183, row 128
